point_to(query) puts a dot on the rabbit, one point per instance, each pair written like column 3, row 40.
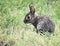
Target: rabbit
column 41, row 23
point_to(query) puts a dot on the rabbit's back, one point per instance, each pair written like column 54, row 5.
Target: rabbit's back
column 45, row 24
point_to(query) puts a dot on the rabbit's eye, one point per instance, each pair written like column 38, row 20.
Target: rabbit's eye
column 28, row 17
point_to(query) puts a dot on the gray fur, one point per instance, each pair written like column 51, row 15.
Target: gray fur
column 41, row 23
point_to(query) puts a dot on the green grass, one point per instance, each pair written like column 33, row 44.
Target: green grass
column 13, row 30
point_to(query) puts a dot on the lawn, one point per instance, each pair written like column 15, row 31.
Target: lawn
column 13, row 31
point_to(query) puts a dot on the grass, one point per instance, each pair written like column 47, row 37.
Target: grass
column 14, row 32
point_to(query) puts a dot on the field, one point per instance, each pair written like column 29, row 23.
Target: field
column 13, row 31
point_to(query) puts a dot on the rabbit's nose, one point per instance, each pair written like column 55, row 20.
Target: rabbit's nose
column 25, row 21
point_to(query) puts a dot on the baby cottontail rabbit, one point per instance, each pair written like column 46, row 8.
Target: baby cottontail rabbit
column 41, row 23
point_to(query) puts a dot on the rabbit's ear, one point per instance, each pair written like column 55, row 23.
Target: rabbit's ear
column 32, row 9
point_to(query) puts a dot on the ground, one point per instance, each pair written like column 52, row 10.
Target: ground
column 14, row 32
